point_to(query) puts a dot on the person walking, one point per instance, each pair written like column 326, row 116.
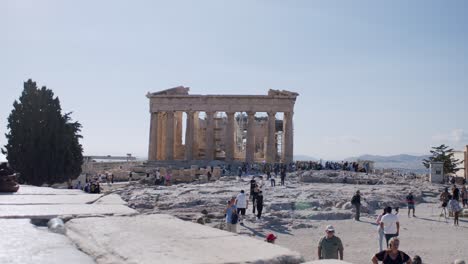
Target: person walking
column 272, row 181
column 380, row 229
column 130, row 176
column 167, row 178
column 330, row 246
column 390, row 224
column 444, row 198
column 392, row 255
column 464, row 196
column 231, row 216
column 242, row 204
column 253, row 192
column 455, row 208
column 410, row 201
column 283, row 176
column 259, row 205
column 356, row 201
column 455, row 193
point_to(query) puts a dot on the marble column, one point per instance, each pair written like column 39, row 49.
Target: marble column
column 209, row 136
column 288, row 137
column 189, row 136
column 250, row 148
column 178, row 150
column 153, row 137
column 170, row 135
column 230, row 136
column 271, row 144
column 162, row 136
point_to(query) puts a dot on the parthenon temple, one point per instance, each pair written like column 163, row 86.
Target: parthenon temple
column 221, row 127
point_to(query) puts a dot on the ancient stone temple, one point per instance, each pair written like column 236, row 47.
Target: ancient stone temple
column 221, row 127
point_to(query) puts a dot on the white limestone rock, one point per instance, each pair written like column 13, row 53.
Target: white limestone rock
column 146, row 238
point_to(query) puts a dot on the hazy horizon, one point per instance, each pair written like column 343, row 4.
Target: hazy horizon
column 379, row 78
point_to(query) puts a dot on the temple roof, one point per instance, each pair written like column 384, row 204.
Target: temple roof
column 179, row 90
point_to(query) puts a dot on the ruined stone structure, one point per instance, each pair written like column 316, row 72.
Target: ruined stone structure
column 221, row 135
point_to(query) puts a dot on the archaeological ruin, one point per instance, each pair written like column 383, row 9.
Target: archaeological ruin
column 220, row 127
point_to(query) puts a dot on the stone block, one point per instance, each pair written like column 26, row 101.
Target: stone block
column 48, row 211
column 169, row 240
column 23, row 243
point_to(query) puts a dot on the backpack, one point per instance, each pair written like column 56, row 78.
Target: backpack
column 234, row 218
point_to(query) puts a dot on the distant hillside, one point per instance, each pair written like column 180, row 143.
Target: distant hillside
column 402, row 161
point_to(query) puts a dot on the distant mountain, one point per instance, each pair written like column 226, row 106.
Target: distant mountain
column 402, row 162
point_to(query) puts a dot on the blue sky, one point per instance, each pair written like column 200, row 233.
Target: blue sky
column 374, row 77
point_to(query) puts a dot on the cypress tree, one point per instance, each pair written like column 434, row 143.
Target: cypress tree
column 43, row 145
column 443, row 154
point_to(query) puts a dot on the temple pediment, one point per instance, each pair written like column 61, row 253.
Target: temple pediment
column 272, row 92
column 179, row 90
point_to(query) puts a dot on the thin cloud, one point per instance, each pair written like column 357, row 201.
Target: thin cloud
column 456, row 136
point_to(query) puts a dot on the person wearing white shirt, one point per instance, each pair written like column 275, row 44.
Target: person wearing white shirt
column 242, row 204
column 390, row 224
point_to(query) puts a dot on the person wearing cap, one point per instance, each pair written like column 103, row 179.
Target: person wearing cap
column 270, row 238
column 356, row 201
column 330, row 246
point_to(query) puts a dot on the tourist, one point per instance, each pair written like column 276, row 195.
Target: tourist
column 380, row 229
column 410, row 201
column 130, row 176
column 112, row 178
column 464, row 196
column 356, row 201
column 330, row 246
column 444, row 198
column 253, row 192
column 208, row 175
column 87, row 187
column 78, row 185
column 242, row 204
column 392, row 255
column 167, row 179
column 231, row 215
column 454, row 208
column 272, row 181
column 417, row 260
column 390, row 224
column 270, row 238
column 455, row 193
column 259, row 205
column 283, row 176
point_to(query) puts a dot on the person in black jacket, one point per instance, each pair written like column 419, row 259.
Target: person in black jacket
column 259, row 205
column 356, row 201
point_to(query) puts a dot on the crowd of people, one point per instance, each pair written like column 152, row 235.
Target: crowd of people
column 276, row 168
column 331, row 246
column 451, row 201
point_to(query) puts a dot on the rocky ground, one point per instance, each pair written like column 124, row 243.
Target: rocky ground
column 299, row 211
column 309, row 195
